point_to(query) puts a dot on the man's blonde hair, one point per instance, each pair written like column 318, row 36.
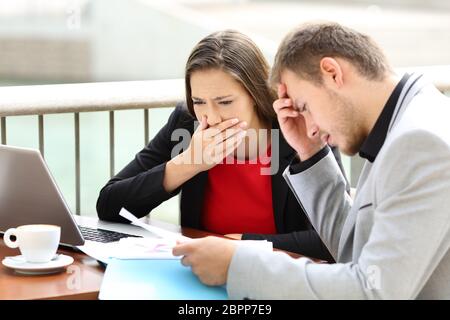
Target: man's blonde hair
column 302, row 50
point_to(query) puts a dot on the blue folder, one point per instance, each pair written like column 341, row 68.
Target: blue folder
column 155, row 279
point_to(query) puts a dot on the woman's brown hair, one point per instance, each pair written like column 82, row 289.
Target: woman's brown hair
column 236, row 54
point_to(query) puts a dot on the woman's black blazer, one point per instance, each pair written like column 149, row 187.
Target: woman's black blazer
column 139, row 188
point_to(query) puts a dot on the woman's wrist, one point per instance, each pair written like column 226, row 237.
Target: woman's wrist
column 179, row 170
column 185, row 163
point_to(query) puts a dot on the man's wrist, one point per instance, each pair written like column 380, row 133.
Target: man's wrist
column 304, row 156
column 297, row 165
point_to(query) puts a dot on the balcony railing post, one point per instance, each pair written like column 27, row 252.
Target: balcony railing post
column 41, row 134
column 146, row 127
column 111, row 144
column 3, row 123
column 77, row 162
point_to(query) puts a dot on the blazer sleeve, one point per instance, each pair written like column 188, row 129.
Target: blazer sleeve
column 139, row 186
column 306, row 242
column 322, row 193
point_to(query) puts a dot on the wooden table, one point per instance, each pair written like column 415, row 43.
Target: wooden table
column 81, row 280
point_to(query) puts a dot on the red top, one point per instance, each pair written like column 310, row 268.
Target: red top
column 238, row 198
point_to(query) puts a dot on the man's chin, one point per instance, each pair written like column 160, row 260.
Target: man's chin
column 348, row 153
column 347, row 149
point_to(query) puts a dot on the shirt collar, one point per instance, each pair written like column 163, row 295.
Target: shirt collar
column 375, row 140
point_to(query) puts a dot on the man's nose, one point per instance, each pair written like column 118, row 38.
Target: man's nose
column 312, row 130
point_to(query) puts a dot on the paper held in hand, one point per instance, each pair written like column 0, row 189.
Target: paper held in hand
column 155, row 230
column 158, row 247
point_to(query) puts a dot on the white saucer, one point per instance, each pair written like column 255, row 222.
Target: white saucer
column 19, row 265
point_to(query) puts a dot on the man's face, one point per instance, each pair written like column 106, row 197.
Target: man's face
column 326, row 111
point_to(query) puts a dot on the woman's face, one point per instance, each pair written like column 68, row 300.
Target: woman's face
column 219, row 96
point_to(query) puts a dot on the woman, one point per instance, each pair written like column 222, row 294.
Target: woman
column 222, row 176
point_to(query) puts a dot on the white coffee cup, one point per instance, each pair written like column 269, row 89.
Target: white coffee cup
column 37, row 242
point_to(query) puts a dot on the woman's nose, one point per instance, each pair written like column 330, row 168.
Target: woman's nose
column 214, row 117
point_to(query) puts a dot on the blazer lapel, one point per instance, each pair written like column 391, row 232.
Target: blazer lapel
column 191, row 202
column 280, row 188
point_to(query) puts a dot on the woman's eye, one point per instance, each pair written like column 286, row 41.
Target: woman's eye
column 226, row 102
column 197, row 102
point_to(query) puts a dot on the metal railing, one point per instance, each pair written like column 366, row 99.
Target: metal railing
column 112, row 96
column 87, row 97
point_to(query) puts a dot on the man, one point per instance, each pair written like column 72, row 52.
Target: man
column 336, row 87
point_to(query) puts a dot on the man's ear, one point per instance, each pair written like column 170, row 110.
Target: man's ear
column 331, row 71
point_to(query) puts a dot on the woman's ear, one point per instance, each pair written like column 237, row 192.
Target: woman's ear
column 331, row 71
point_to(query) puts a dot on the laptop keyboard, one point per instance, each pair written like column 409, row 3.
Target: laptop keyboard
column 101, row 235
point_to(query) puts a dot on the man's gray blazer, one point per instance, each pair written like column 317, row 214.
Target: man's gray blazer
column 392, row 241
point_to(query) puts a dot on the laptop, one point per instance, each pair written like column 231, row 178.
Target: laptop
column 30, row 195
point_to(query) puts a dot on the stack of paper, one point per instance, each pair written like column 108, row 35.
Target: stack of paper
column 145, row 248
column 145, row 268
column 158, row 278
column 155, row 279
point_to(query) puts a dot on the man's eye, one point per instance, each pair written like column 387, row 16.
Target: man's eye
column 226, row 102
column 302, row 108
